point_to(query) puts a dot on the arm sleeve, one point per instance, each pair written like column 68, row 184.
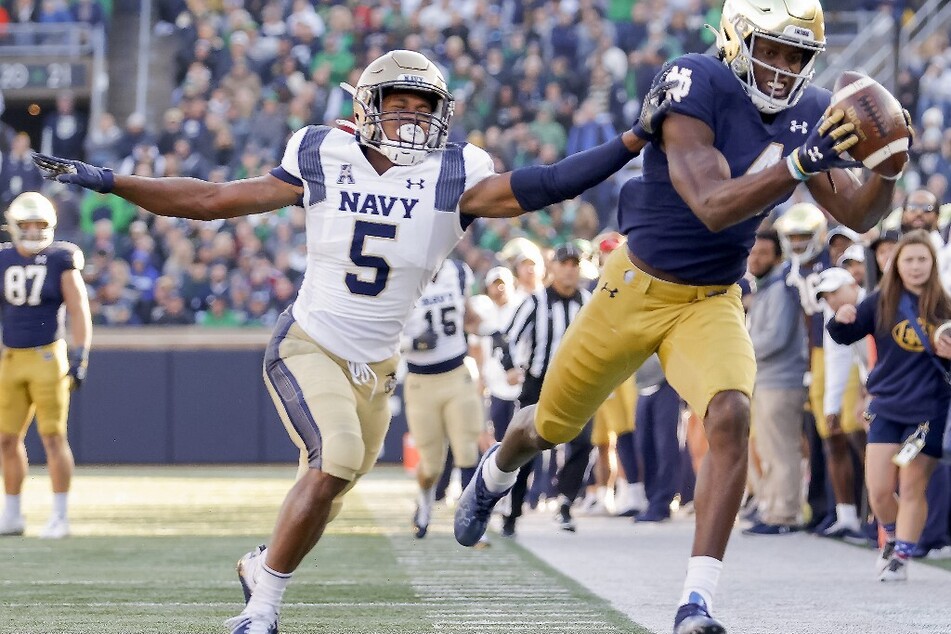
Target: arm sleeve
column 864, row 323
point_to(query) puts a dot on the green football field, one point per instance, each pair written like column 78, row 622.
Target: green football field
column 153, row 550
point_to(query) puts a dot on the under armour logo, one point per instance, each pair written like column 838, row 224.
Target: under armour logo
column 814, row 154
column 40, row 259
column 346, row 174
column 610, row 291
column 796, row 126
column 410, row 184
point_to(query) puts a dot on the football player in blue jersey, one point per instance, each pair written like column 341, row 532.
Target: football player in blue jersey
column 37, row 278
column 745, row 127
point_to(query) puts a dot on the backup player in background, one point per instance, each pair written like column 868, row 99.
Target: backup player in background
column 801, row 230
column 38, row 277
column 385, row 205
column 744, row 129
column 443, row 405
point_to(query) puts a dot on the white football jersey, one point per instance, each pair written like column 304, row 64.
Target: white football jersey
column 441, row 309
column 373, row 240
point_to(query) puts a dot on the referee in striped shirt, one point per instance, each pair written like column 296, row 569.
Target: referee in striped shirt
column 536, row 331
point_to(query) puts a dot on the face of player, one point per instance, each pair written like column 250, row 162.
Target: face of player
column 497, row 292
column 32, row 230
column 781, row 57
column 398, row 116
column 914, row 266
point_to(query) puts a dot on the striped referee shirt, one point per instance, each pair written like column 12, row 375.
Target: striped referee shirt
column 539, row 325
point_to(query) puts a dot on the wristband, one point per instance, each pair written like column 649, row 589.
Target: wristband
column 795, row 170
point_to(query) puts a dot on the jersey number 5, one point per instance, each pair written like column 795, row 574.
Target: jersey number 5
column 15, row 284
column 361, row 231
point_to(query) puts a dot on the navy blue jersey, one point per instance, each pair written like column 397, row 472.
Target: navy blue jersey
column 905, row 384
column 661, row 229
column 31, row 293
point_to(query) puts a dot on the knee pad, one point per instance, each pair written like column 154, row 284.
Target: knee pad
column 342, row 454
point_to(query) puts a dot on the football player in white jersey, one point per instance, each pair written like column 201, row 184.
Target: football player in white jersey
column 443, row 404
column 386, row 202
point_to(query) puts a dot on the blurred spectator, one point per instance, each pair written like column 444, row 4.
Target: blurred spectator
column 18, row 174
column 219, row 314
column 64, row 130
column 102, row 142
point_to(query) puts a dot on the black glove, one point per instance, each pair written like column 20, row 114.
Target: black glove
column 98, row 179
column 78, row 360
column 426, row 341
column 655, row 105
column 829, row 138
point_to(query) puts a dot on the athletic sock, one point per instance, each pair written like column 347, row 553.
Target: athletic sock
column 60, row 501
column 904, row 549
column 12, row 506
column 268, row 592
column 847, row 514
column 703, row 575
column 496, row 480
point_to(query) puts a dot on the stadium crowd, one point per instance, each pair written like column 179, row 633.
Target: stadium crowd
column 533, row 81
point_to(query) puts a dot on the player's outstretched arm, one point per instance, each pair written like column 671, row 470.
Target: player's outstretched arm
column 530, row 188
column 175, row 196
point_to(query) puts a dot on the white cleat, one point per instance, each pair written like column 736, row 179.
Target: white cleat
column 56, row 528
column 885, row 555
column 896, row 570
column 246, row 623
column 12, row 525
column 247, row 568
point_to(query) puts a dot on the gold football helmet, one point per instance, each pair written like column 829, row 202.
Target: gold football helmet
column 802, row 231
column 31, row 207
column 795, row 22
column 402, row 70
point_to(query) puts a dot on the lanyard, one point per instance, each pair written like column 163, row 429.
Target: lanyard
column 905, row 306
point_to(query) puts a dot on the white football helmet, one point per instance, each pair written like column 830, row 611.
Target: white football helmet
column 795, row 22
column 31, row 207
column 802, row 231
column 402, row 70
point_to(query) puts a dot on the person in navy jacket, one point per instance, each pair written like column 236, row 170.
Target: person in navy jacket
column 909, row 388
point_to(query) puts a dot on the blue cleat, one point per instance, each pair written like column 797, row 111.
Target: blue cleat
column 475, row 506
column 693, row 618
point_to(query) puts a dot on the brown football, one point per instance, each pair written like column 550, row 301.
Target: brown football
column 879, row 122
